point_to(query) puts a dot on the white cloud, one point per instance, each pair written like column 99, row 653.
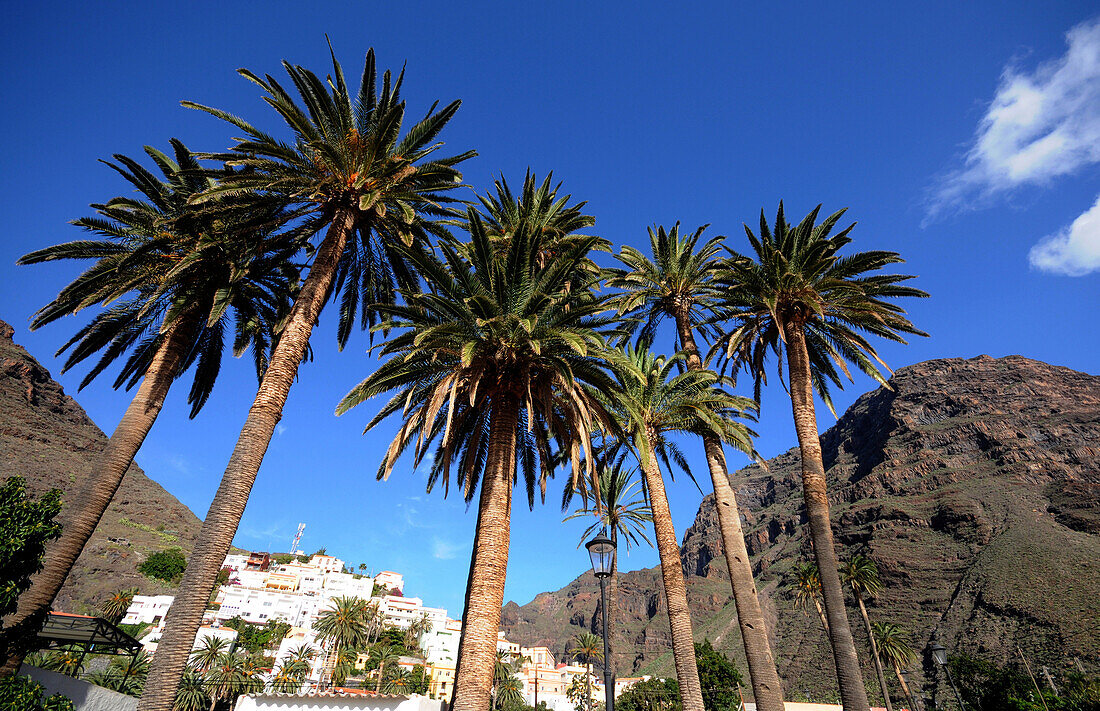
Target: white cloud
column 443, row 549
column 1040, row 125
column 279, row 429
column 1074, row 250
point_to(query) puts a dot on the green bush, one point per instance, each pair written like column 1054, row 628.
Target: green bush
column 167, row 565
column 21, row 693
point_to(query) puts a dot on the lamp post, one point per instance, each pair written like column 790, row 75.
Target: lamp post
column 602, row 551
column 939, row 655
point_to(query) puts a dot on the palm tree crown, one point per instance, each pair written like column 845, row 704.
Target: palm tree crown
column 348, row 159
column 160, row 262
column 343, row 624
column 796, row 275
column 488, row 331
column 618, row 504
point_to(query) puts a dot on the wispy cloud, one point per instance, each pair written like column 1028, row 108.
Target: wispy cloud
column 1041, row 124
column 444, row 549
column 280, row 429
column 1074, row 250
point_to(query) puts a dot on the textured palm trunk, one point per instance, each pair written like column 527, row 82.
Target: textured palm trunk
column 477, row 648
column 220, row 525
column 763, row 674
column 853, row 693
column 83, row 514
column 904, row 687
column 672, row 575
column 874, row 652
column 821, row 614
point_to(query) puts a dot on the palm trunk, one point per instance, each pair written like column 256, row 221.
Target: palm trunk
column 904, row 687
column 381, row 673
column 216, row 534
column 821, row 614
column 588, row 683
column 874, row 652
column 477, row 648
column 90, row 503
column 766, row 689
column 853, row 693
column 672, row 574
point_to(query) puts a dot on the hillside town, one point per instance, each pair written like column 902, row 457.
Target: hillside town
column 262, row 590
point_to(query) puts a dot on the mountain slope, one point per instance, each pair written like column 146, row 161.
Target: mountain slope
column 47, row 438
column 975, row 486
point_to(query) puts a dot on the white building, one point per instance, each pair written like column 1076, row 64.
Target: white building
column 147, row 609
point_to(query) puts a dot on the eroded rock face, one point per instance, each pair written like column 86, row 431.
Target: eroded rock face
column 975, row 486
column 47, row 438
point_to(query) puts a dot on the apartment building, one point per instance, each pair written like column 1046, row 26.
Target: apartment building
column 147, row 609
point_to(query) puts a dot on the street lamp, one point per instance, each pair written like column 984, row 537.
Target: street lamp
column 602, row 551
column 939, row 655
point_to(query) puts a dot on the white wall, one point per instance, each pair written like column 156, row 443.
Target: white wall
column 335, row 702
column 85, row 695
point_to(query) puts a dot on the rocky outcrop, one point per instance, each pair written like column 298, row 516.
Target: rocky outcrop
column 47, row 438
column 975, row 486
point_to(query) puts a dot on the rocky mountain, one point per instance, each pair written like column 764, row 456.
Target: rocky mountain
column 48, row 439
column 975, row 486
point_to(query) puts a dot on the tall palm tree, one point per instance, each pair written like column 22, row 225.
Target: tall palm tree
column 861, row 575
column 114, row 607
column 208, row 653
column 492, row 363
column 807, row 589
column 587, row 647
column 343, row 625
column 620, row 507
column 416, row 630
column 176, row 282
column 797, row 296
column 892, row 645
column 348, row 172
column 651, row 402
column 678, row 281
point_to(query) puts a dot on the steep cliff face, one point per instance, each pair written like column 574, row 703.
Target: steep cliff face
column 975, row 486
column 48, row 439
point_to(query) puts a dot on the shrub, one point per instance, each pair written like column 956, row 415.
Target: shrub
column 21, row 693
column 165, row 565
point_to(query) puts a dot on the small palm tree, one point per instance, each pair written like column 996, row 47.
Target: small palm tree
column 191, row 695
column 807, row 587
column 382, row 655
column 861, row 574
column 587, row 647
column 499, row 357
column 349, row 173
column 397, row 681
column 176, row 282
column 225, row 678
column 651, row 402
column 679, row 281
column 208, row 653
column 510, row 692
column 419, row 627
column 343, row 625
column 114, row 608
column 892, row 643
column 797, row 296
column 299, row 659
column 620, row 507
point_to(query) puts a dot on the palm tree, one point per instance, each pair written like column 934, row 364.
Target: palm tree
column 892, row 645
column 343, row 625
column 178, row 281
column 208, row 653
column 679, row 282
column 347, row 172
column 797, row 296
column 651, row 402
column 225, row 678
column 299, row 659
column 807, row 586
column 382, row 654
column 191, row 695
column 861, row 574
column 497, row 358
column 510, row 692
column 415, row 631
column 114, row 608
column 620, row 507
column 587, row 647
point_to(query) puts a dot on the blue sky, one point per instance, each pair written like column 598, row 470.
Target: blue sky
column 964, row 135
